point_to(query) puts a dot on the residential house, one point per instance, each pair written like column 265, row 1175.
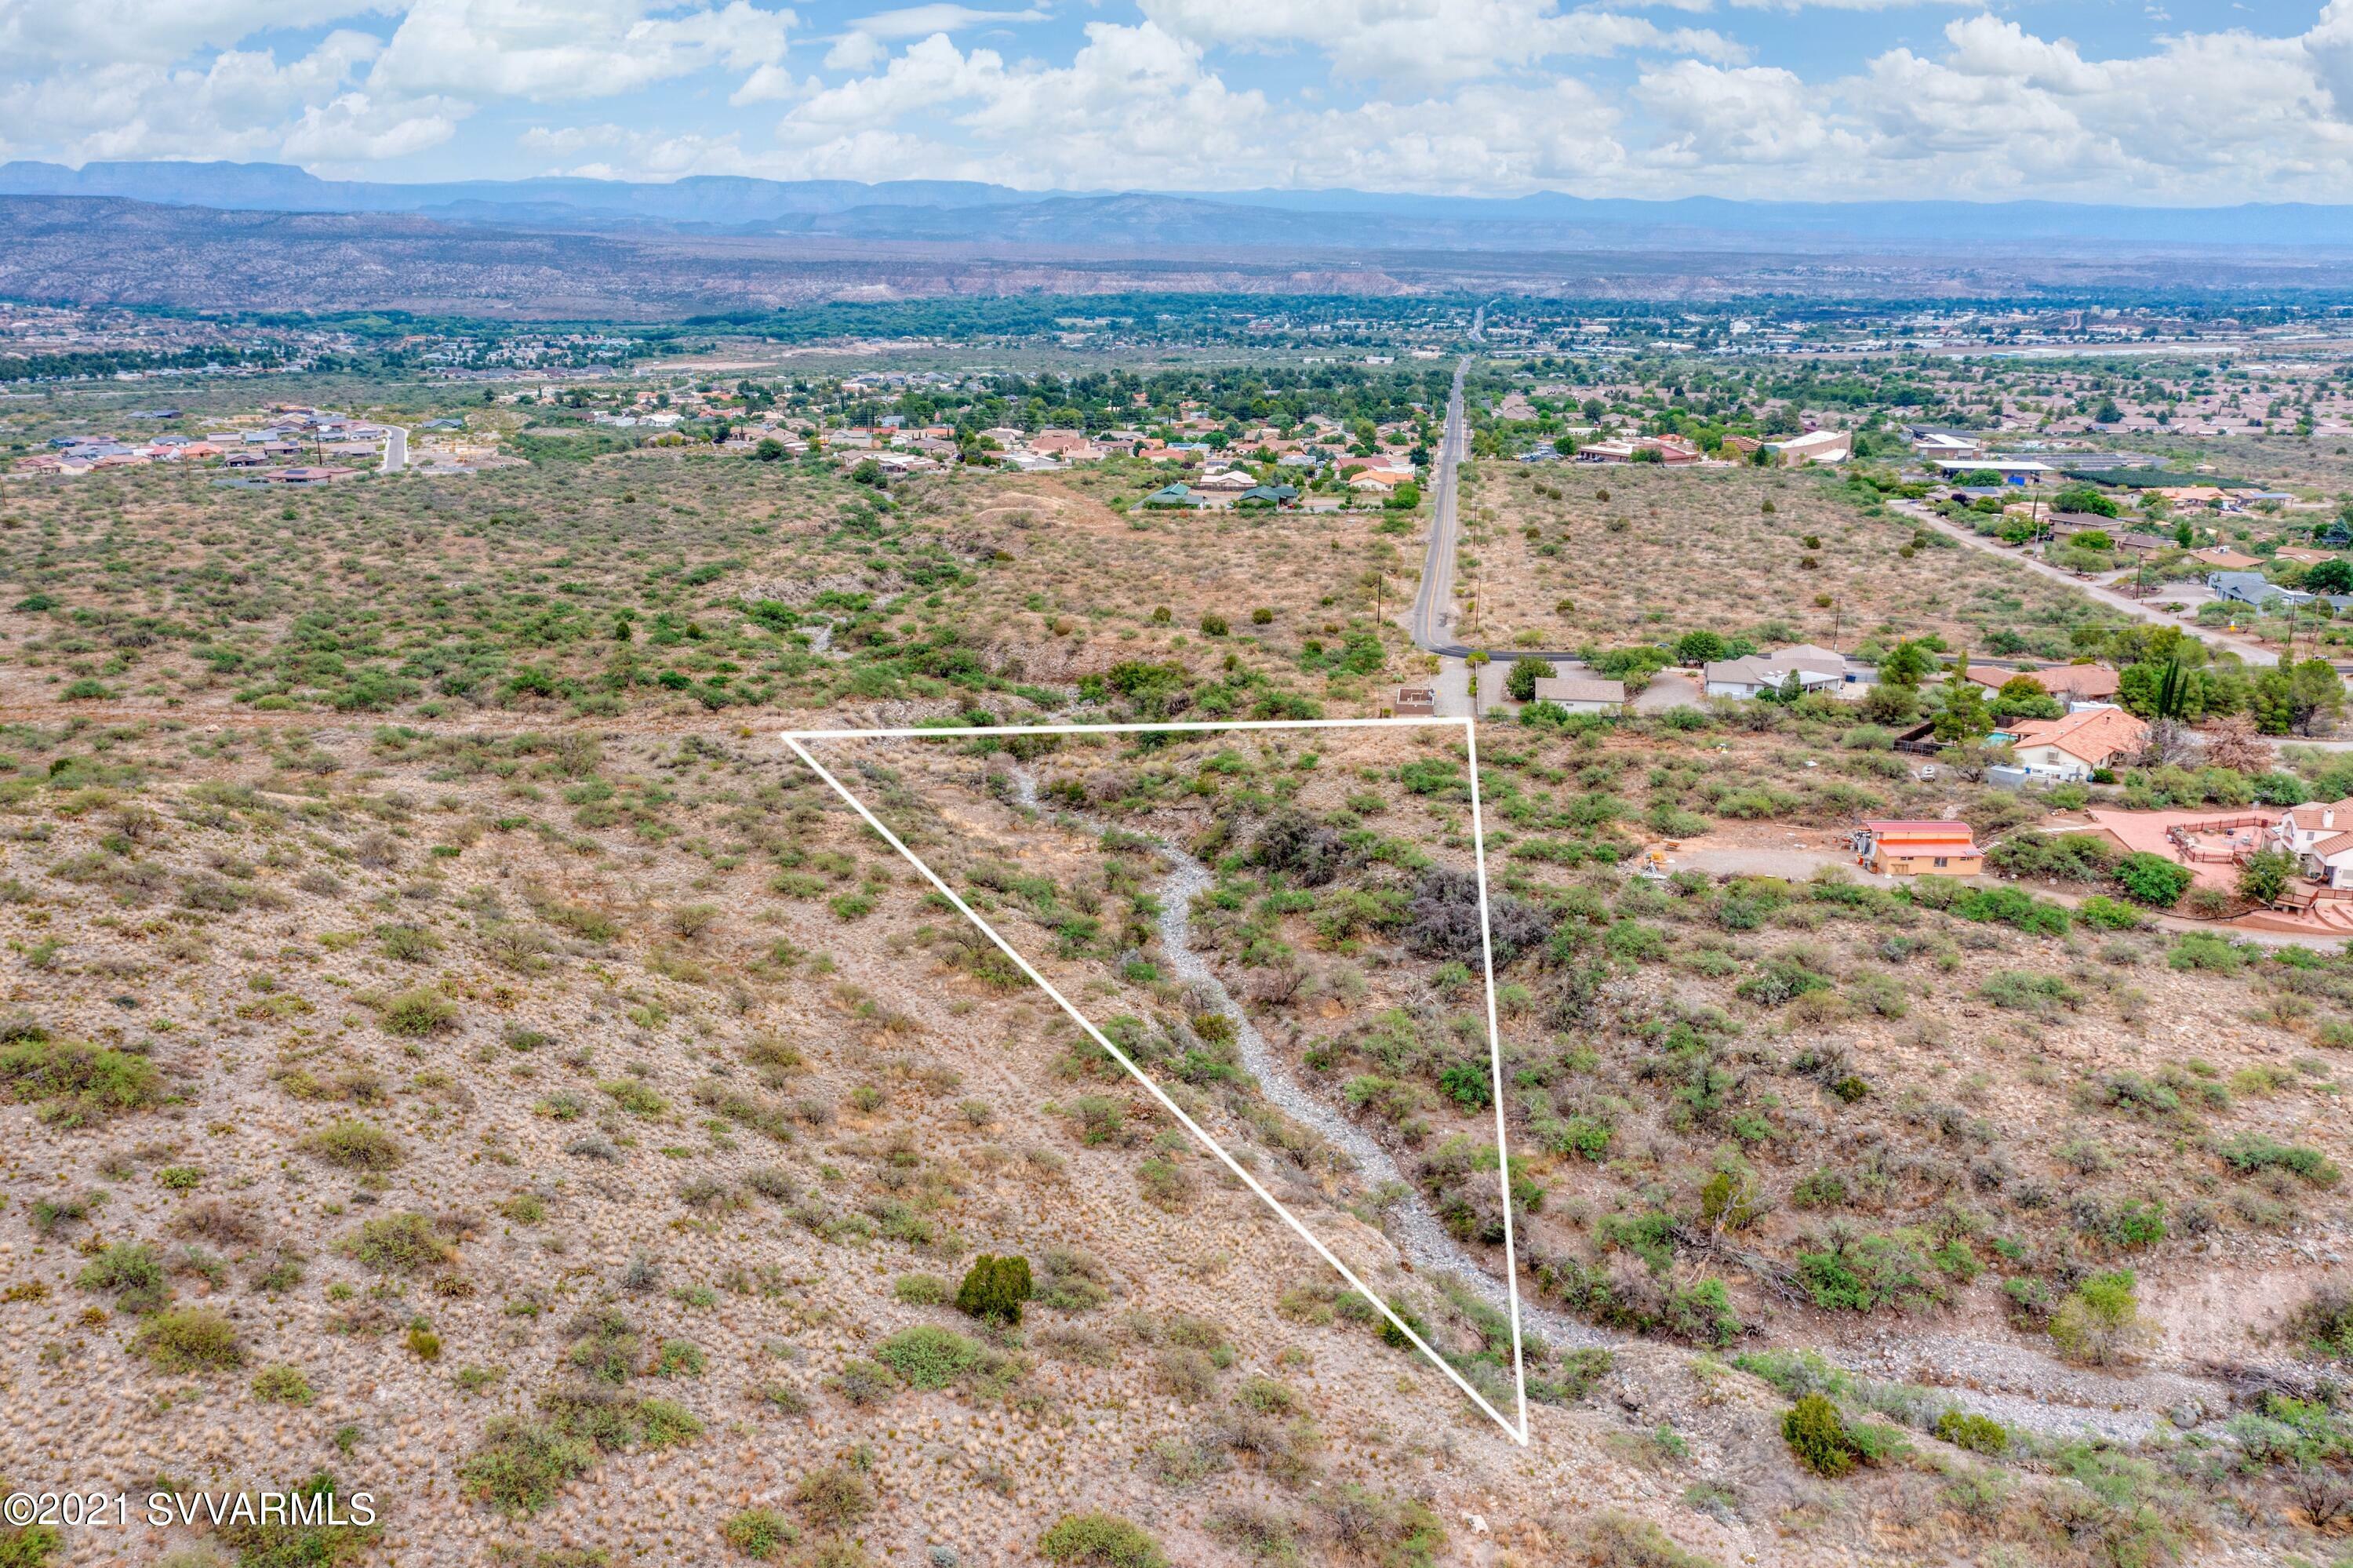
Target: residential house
column 2073, row 746
column 1415, row 702
column 1259, row 495
column 1741, row 448
column 2320, row 835
column 1815, row 446
column 1582, row 694
column 1932, row 446
column 2069, row 682
column 2223, row 558
column 2252, row 587
column 1817, row 668
column 1898, row 847
column 1173, row 495
column 1380, row 480
column 2011, row 470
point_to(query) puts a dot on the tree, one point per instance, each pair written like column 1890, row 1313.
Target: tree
column 2151, row 879
column 1699, row 648
column 2265, row 875
column 770, row 449
column 1520, row 685
column 1906, row 663
column 2233, row 743
column 2023, row 696
column 2330, row 577
column 1961, row 710
column 2083, row 498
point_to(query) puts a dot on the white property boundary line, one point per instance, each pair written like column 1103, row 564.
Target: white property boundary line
column 794, row 738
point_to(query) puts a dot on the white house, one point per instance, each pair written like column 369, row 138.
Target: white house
column 2320, row 835
column 1817, row 668
column 2073, row 746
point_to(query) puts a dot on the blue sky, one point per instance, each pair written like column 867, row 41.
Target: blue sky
column 2174, row 103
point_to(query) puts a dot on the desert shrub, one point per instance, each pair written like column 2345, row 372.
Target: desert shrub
column 2207, row 951
column 1442, row 919
column 419, row 1012
column 75, row 1084
column 520, row 1465
column 399, row 1244
column 994, row 1289
column 2023, row 990
column 863, row 1382
column 1100, row 1540
column 836, row 1495
column 1979, row 1434
column 2251, row 1153
column 928, row 1357
column 1861, row 1273
column 2099, row 1322
column 636, row 1099
column 189, row 1339
column 355, row 1146
column 1395, row 1532
column 1072, row 1281
column 759, row 1533
column 282, row 1385
column 2010, row 906
column 1167, row 1185
column 1817, row 1435
column 2323, row 1324
column 1615, row 1539
column 2054, row 857
column 920, row 1290
column 133, row 1273
column 300, row 1536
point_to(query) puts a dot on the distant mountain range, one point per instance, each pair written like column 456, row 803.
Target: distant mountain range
column 964, row 212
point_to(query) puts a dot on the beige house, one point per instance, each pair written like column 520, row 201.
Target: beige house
column 2074, row 746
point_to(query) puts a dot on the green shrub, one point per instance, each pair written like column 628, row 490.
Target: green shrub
column 994, row 1289
column 920, row 1290
column 189, row 1339
column 2099, row 1322
column 30, row 1547
column 2102, row 913
column 521, row 1464
column 2024, row 990
column 1977, row 1434
column 399, row 1244
column 419, row 1012
column 75, row 1084
column 282, row 1385
column 354, row 1144
column 289, row 1540
column 635, row 1097
column 2251, row 1151
column 759, row 1533
column 2011, row 906
column 1817, row 1433
column 1100, row 1540
column 927, row 1356
column 2208, row 951
column 2151, row 879
column 1861, row 1273
column 132, row 1272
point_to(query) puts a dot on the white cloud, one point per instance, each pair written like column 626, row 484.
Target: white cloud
column 1427, row 41
column 923, row 21
column 547, row 50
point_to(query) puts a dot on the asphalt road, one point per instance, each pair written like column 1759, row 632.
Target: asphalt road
column 1431, row 622
column 396, row 448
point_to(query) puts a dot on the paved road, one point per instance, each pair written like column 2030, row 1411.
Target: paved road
column 2254, row 652
column 396, row 448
